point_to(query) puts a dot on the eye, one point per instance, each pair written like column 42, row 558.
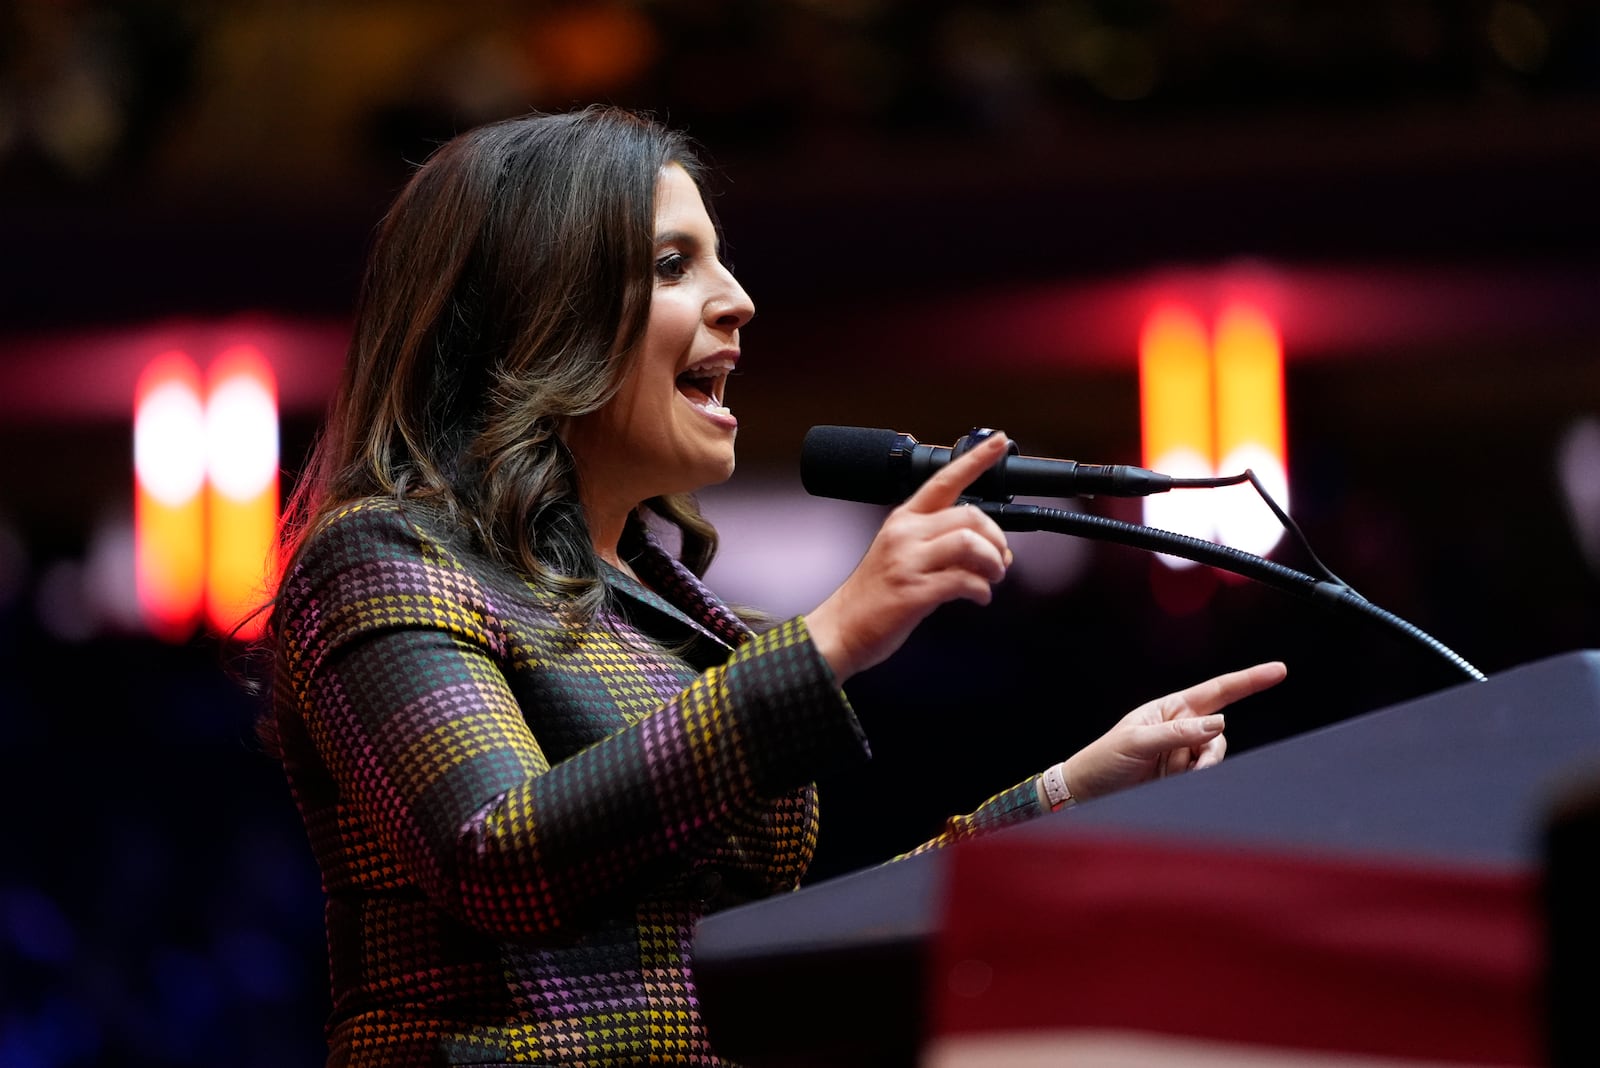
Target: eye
column 672, row 266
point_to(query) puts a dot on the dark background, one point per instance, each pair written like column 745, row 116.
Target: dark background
column 949, row 214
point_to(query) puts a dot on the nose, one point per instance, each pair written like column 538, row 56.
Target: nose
column 731, row 307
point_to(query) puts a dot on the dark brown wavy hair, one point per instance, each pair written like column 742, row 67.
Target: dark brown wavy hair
column 506, row 292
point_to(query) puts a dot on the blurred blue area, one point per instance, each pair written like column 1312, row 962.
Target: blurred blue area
column 158, row 905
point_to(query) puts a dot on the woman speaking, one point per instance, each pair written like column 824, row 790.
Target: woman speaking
column 529, row 746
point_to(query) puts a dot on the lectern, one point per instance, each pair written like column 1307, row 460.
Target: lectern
column 1452, row 790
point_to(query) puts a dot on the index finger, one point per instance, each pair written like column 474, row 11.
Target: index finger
column 1207, row 697
column 946, row 484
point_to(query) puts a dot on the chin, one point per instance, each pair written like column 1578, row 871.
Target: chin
column 714, row 469
column 719, row 473
column 694, row 475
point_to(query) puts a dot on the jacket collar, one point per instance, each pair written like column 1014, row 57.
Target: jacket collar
column 669, row 589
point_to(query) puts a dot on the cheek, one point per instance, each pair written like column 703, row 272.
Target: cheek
column 674, row 316
column 641, row 415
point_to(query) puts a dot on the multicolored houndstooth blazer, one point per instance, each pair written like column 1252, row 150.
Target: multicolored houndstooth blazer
column 519, row 820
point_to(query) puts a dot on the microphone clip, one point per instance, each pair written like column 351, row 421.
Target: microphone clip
column 989, row 486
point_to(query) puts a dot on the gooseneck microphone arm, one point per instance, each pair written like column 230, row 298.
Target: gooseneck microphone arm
column 1021, row 517
column 885, row 467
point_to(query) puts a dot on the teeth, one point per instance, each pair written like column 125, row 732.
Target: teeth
column 708, row 380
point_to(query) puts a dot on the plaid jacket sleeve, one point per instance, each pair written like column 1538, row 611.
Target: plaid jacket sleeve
column 1015, row 805
column 396, row 654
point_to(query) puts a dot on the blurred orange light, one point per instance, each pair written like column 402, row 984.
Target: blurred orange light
column 169, row 470
column 1176, row 414
column 1175, row 386
column 1248, row 355
column 241, row 491
column 1214, row 406
column 589, row 49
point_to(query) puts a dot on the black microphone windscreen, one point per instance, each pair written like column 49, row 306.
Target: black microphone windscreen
column 850, row 463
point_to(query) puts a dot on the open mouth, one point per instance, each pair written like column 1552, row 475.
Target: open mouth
column 704, row 386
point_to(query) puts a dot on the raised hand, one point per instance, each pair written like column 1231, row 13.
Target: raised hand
column 1171, row 734
column 926, row 553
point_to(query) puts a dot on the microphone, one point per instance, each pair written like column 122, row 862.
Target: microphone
column 853, row 463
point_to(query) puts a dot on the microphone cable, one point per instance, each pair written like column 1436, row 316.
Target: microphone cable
column 1249, row 475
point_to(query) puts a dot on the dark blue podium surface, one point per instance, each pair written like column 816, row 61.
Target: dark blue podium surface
column 1464, row 776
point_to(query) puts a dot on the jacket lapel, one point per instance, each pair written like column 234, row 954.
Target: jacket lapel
column 673, row 593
